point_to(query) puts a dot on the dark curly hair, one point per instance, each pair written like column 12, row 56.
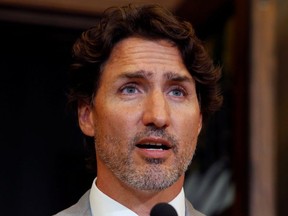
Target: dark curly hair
column 152, row 22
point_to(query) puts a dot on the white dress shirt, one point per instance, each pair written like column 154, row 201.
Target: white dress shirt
column 102, row 205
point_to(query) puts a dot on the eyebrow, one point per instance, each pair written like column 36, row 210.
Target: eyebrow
column 177, row 77
column 170, row 76
column 137, row 74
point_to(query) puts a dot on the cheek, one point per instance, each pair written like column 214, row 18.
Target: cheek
column 188, row 132
column 115, row 122
column 189, row 125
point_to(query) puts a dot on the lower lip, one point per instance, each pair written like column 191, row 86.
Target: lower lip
column 152, row 153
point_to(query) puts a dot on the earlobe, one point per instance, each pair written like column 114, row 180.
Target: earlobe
column 200, row 124
column 85, row 119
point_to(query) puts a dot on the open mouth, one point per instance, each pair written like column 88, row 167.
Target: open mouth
column 153, row 146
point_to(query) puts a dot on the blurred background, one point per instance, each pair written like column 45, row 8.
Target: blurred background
column 240, row 167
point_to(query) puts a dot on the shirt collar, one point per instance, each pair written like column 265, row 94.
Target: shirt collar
column 102, row 205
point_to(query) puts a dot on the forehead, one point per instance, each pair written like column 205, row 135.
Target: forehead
column 142, row 54
column 134, row 45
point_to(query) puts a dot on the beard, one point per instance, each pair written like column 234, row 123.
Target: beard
column 151, row 174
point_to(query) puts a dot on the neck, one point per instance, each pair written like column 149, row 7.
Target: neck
column 138, row 201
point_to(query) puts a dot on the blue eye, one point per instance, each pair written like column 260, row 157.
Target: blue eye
column 129, row 90
column 177, row 92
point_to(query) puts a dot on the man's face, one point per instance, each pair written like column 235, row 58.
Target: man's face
column 145, row 117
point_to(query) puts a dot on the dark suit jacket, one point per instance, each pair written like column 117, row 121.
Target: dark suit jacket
column 82, row 208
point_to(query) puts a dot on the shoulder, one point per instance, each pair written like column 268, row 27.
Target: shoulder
column 81, row 208
column 190, row 211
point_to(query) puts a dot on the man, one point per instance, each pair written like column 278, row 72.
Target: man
column 142, row 83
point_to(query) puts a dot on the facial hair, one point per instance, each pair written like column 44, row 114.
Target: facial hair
column 152, row 174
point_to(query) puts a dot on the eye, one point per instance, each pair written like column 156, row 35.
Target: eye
column 129, row 89
column 177, row 92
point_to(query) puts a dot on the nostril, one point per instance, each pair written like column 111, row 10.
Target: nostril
column 159, row 121
column 162, row 126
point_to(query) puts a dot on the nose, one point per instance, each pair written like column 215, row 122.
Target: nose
column 156, row 110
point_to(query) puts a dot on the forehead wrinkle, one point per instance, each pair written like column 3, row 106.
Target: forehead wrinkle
column 155, row 54
column 150, row 50
column 144, row 57
column 152, row 57
column 160, row 51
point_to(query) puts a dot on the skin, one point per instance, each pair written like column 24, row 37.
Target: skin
column 146, row 95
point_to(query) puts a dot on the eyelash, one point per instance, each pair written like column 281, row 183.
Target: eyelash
column 135, row 86
column 179, row 88
column 129, row 85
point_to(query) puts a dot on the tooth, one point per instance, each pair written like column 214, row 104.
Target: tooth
column 153, row 149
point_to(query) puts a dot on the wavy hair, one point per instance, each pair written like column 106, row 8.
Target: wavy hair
column 153, row 22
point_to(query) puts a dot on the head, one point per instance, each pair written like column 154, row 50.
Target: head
column 142, row 80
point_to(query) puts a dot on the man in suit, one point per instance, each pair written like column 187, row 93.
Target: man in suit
column 142, row 84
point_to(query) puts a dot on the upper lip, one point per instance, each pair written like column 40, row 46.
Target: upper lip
column 154, row 141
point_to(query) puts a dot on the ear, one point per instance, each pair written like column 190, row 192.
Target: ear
column 200, row 124
column 85, row 119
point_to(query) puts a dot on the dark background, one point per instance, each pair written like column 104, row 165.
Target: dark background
column 42, row 153
column 42, row 162
column 42, row 166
